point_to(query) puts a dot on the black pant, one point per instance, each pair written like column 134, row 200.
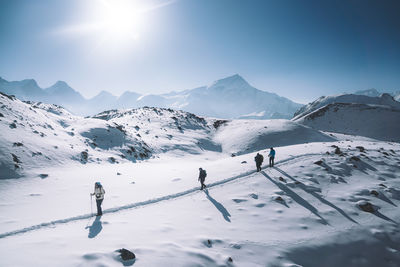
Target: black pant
column 258, row 165
column 99, row 211
column 271, row 161
column 202, row 184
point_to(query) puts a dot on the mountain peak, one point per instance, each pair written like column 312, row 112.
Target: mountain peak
column 104, row 94
column 30, row 82
column 61, row 84
column 231, row 81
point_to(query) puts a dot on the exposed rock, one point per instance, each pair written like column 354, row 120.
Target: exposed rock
column 319, row 162
column 15, row 158
column 361, row 148
column 218, row 123
column 374, row 192
column 366, row 206
column 126, row 255
column 84, row 156
column 18, row 144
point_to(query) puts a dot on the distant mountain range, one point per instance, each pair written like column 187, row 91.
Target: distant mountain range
column 228, row 98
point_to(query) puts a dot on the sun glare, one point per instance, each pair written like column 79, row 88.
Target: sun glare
column 121, row 19
column 115, row 26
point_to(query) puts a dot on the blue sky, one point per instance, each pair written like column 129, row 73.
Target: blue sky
column 299, row 49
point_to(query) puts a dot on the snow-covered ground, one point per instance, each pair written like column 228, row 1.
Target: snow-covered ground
column 304, row 211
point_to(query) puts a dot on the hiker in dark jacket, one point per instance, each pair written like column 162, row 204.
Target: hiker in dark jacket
column 202, row 178
column 259, row 160
column 99, row 193
column 271, row 157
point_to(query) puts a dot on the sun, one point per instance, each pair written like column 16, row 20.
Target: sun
column 122, row 19
column 114, row 26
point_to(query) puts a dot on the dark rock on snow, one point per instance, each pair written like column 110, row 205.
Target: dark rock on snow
column 126, row 255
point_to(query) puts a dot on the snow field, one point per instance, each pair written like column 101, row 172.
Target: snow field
column 242, row 218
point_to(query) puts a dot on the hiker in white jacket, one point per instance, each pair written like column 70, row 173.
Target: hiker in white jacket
column 99, row 193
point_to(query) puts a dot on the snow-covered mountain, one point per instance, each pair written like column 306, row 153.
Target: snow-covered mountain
column 228, row 98
column 59, row 94
column 375, row 93
column 36, row 134
column 25, row 90
column 385, row 100
column 233, row 97
column 374, row 117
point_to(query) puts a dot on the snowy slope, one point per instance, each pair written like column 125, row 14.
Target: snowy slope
column 37, row 134
column 245, row 136
column 34, row 135
column 374, row 117
column 166, row 130
column 396, row 96
column 374, row 121
column 383, row 100
column 304, row 212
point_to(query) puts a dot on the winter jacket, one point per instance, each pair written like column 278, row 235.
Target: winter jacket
column 259, row 158
column 272, row 153
column 99, row 192
column 202, row 175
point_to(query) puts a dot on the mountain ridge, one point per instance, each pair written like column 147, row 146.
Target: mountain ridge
column 229, row 98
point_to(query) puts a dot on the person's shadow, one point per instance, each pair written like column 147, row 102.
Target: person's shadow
column 219, row 206
column 95, row 228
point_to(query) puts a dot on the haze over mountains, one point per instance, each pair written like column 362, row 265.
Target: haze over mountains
column 231, row 97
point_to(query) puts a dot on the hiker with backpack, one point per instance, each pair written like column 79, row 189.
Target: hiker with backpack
column 202, row 178
column 99, row 193
column 271, row 157
column 259, row 160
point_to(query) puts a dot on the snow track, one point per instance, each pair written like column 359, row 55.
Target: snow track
column 150, row 201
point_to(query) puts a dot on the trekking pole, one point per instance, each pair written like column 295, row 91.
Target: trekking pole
column 91, row 205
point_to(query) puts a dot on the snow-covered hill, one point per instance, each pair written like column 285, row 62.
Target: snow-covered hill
column 374, row 121
column 35, row 135
column 383, row 100
column 228, row 98
column 374, row 117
